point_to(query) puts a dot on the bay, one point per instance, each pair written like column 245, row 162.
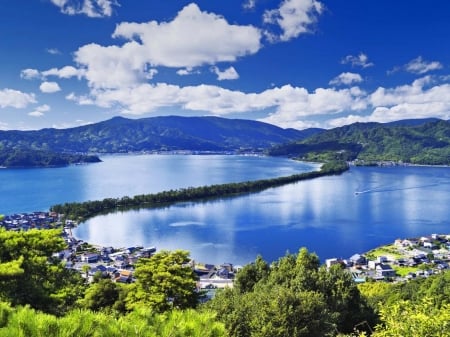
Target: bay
column 36, row 189
column 324, row 215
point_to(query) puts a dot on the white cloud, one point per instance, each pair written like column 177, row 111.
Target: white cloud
column 361, row 60
column 346, row 79
column 419, row 66
column 64, row 72
column 290, row 106
column 49, row 87
column 15, row 99
column 421, row 99
column 90, row 8
column 4, row 126
column 193, row 38
column 294, row 17
column 187, row 71
column 249, row 4
column 228, row 74
column 290, row 103
column 67, row 125
column 39, row 111
column 30, row 74
column 53, row 51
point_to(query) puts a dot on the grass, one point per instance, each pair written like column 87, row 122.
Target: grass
column 390, row 251
column 403, row 271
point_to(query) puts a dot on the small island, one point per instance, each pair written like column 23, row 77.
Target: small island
column 29, row 158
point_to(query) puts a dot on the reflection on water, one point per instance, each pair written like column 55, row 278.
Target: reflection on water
column 323, row 214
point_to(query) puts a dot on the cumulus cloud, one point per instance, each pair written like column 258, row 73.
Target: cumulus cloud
column 293, row 17
column 90, row 8
column 361, row 60
column 193, row 38
column 228, row 74
column 15, row 99
column 64, row 72
column 49, row 87
column 39, row 112
column 419, row 66
column 422, row 98
column 290, row 106
column 290, row 103
column 346, row 79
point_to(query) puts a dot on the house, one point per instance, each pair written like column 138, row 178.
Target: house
column 382, row 259
column 332, row 262
column 384, row 270
column 90, row 257
column 119, row 261
column 430, row 245
column 372, row 264
column 358, row 259
column 125, row 276
column 99, row 268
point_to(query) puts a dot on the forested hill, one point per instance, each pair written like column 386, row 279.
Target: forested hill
column 417, row 143
column 168, row 133
column 18, row 158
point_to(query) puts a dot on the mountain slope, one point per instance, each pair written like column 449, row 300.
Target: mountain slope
column 421, row 143
column 156, row 134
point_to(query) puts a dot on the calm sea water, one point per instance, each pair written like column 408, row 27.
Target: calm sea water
column 324, row 215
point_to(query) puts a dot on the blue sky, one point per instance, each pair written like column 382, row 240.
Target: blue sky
column 292, row 63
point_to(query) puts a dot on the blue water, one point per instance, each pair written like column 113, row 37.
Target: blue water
column 28, row 190
column 324, row 215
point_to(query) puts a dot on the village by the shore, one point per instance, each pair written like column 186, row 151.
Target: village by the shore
column 400, row 261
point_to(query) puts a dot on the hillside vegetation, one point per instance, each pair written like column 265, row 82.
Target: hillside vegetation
column 19, row 157
column 168, row 133
column 427, row 143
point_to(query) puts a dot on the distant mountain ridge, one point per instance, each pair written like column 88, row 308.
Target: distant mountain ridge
column 167, row 133
column 420, row 141
column 424, row 141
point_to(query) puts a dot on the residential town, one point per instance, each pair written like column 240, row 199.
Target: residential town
column 404, row 259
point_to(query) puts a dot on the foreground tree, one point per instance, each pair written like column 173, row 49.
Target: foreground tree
column 30, row 275
column 295, row 297
column 406, row 319
column 164, row 281
column 27, row 322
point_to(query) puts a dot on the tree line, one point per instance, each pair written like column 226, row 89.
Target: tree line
column 84, row 210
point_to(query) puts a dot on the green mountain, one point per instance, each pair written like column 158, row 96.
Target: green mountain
column 169, row 133
column 419, row 142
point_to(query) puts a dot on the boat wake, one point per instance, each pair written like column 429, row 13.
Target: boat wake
column 393, row 188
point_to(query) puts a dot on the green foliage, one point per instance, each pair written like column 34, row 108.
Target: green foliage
column 163, row 282
column 29, row 274
column 294, row 297
column 166, row 133
column 408, row 319
column 251, row 274
column 27, row 157
column 26, row 322
column 428, row 143
column 102, row 295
